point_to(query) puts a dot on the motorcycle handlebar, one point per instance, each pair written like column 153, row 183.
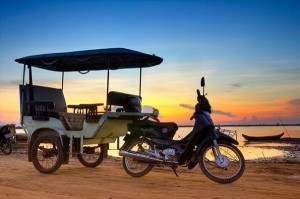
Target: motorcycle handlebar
column 191, row 118
column 198, row 93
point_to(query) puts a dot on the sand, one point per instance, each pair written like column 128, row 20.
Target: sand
column 19, row 179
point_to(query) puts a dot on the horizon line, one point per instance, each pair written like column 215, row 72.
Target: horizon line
column 245, row 125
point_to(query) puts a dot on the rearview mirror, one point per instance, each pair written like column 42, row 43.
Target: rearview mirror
column 202, row 82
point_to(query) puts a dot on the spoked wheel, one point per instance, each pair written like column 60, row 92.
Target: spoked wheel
column 6, row 147
column 137, row 168
column 47, row 153
column 225, row 169
column 92, row 155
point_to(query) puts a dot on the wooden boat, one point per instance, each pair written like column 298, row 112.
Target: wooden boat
column 258, row 138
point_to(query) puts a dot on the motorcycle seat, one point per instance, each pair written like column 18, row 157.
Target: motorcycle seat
column 164, row 129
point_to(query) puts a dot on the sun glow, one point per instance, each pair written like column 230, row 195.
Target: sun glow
column 9, row 106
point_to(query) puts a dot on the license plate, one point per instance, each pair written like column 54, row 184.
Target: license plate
column 8, row 135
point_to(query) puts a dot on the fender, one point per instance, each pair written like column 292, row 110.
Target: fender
column 141, row 133
column 52, row 130
column 61, row 133
column 128, row 137
column 226, row 138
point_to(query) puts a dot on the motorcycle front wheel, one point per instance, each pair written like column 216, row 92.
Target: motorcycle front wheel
column 133, row 167
column 6, row 147
column 227, row 168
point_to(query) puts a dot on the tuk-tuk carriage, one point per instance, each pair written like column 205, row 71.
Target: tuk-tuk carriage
column 54, row 133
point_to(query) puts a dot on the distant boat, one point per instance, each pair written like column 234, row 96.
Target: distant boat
column 258, row 138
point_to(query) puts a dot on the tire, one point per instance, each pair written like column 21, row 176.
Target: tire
column 47, row 153
column 136, row 168
column 214, row 170
column 92, row 157
column 6, row 147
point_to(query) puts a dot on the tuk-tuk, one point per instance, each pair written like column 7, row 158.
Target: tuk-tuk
column 54, row 133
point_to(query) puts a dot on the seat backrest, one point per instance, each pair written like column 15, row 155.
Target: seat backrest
column 129, row 102
column 118, row 98
column 47, row 93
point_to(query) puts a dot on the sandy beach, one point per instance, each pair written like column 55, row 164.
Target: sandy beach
column 19, row 179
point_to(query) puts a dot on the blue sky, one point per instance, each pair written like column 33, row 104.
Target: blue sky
column 249, row 51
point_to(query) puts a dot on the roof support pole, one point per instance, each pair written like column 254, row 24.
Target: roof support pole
column 62, row 80
column 22, row 95
column 107, row 87
column 30, row 84
column 140, row 88
column 24, row 69
column 31, row 89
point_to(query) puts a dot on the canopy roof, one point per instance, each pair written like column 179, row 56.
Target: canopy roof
column 100, row 59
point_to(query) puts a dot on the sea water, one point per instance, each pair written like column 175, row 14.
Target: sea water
column 289, row 131
column 256, row 150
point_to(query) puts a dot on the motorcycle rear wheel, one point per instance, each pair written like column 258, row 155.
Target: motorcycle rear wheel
column 133, row 167
column 6, row 147
column 228, row 173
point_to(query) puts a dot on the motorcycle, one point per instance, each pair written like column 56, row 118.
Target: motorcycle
column 6, row 140
column 149, row 143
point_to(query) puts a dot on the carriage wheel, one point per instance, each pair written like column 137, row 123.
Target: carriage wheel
column 92, row 156
column 47, row 153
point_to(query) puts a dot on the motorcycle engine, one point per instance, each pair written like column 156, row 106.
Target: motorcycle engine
column 169, row 153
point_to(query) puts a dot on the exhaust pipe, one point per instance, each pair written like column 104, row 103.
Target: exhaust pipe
column 139, row 156
column 144, row 157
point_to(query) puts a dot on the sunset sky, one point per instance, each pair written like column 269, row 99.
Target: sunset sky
column 248, row 51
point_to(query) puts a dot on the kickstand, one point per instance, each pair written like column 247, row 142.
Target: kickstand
column 174, row 170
